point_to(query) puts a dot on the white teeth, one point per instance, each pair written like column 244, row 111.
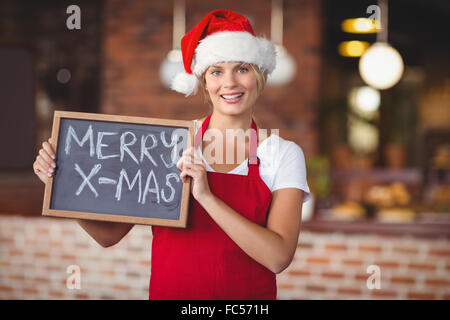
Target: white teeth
column 234, row 96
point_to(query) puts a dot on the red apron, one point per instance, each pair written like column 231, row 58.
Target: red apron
column 201, row 261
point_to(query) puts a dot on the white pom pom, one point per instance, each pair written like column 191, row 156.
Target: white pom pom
column 185, row 83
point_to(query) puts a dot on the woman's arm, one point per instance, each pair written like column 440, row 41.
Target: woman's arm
column 105, row 233
column 274, row 246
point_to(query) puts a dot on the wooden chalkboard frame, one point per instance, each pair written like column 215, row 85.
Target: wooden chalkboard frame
column 181, row 222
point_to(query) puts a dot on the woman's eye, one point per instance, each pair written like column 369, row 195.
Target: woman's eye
column 216, row 72
column 243, row 69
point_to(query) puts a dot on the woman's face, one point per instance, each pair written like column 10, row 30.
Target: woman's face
column 232, row 87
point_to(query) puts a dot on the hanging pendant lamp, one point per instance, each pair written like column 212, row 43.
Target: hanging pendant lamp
column 285, row 69
column 381, row 66
column 173, row 63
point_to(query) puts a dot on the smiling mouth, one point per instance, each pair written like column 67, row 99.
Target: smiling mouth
column 231, row 96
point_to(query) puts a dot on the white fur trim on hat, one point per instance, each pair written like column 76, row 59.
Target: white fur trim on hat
column 185, row 83
column 237, row 46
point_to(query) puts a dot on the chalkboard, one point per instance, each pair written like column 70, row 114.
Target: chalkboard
column 118, row 168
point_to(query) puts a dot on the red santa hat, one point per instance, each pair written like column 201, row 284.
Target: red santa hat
column 222, row 36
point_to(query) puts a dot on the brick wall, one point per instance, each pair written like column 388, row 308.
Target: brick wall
column 334, row 266
column 36, row 252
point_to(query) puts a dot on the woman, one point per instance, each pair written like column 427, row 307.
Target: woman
column 244, row 218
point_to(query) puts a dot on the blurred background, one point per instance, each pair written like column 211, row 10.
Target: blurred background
column 362, row 86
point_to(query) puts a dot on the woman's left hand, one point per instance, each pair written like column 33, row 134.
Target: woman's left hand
column 192, row 165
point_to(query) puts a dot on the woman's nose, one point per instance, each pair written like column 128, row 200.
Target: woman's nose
column 229, row 79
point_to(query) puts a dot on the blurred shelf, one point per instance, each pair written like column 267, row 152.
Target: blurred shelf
column 424, row 224
column 406, row 175
column 420, row 229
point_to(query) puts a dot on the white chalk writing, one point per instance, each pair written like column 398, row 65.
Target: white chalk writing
column 86, row 180
column 72, row 134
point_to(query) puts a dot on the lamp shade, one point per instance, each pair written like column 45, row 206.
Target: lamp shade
column 285, row 68
column 364, row 100
column 381, row 66
column 172, row 64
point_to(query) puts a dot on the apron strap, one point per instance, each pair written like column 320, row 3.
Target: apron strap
column 253, row 160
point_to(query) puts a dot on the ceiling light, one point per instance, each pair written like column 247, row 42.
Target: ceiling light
column 353, row 48
column 358, row 25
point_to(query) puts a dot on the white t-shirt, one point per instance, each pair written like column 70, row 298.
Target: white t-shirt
column 282, row 165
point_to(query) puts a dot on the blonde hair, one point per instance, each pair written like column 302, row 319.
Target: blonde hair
column 261, row 80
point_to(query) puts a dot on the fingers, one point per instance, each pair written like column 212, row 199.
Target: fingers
column 191, row 154
column 45, row 156
column 42, row 176
column 189, row 157
column 44, row 166
column 184, row 174
column 192, row 170
column 48, row 148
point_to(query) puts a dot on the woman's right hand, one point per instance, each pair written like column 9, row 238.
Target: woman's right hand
column 44, row 166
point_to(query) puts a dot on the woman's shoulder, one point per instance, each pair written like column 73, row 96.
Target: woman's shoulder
column 281, row 148
column 276, row 139
column 200, row 119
